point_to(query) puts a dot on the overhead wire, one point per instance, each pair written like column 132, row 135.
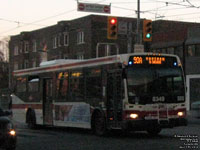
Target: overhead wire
column 33, row 23
column 18, row 22
column 182, row 6
column 172, row 3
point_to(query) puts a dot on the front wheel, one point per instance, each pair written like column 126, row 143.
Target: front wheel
column 99, row 124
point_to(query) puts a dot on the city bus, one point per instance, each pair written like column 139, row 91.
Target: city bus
column 131, row 92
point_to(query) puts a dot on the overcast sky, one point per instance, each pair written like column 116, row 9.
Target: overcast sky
column 27, row 15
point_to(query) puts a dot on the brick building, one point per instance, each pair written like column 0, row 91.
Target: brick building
column 75, row 39
column 80, row 39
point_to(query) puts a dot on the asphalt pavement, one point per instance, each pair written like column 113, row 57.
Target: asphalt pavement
column 193, row 120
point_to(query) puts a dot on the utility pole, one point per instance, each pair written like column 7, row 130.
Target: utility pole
column 138, row 47
column 138, row 23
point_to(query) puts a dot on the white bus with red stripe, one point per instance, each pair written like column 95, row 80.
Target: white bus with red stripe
column 137, row 91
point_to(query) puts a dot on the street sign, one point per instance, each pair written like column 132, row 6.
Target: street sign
column 122, row 27
column 97, row 8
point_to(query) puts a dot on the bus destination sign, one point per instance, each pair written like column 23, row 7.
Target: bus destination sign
column 149, row 59
column 152, row 60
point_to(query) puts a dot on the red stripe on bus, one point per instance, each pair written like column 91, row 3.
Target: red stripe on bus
column 24, row 106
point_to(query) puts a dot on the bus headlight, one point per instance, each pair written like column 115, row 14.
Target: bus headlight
column 133, row 116
column 180, row 114
column 12, row 132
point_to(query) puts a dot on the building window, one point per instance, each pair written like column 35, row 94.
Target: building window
column 197, row 50
column 21, row 47
column 55, row 42
column 66, row 39
column 25, row 64
column 80, row 56
column 170, row 50
column 179, row 51
column 59, row 40
column 16, row 50
column 163, row 51
column 65, row 56
column 34, row 46
column 16, row 67
column 191, row 50
column 26, row 47
column 20, row 66
column 80, row 37
column 34, row 63
column 158, row 51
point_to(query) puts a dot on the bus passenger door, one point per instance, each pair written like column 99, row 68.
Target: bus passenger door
column 47, row 101
column 114, row 97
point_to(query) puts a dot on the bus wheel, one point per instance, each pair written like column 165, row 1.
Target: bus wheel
column 31, row 120
column 154, row 131
column 99, row 124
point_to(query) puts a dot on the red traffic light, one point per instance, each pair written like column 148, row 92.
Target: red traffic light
column 113, row 21
column 112, row 27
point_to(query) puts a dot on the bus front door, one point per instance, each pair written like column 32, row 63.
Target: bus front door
column 47, row 102
column 114, row 98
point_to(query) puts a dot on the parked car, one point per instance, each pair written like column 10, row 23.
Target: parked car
column 8, row 137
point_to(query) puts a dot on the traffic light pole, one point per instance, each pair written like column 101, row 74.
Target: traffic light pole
column 138, row 23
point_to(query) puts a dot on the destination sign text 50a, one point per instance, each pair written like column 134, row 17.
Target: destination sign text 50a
column 148, row 59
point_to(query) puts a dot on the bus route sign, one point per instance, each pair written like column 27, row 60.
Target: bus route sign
column 152, row 60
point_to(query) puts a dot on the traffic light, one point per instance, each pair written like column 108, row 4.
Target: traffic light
column 147, row 30
column 112, row 28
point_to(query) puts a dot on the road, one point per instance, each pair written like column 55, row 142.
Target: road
column 79, row 139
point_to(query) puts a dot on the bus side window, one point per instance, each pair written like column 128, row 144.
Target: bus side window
column 93, row 83
column 33, row 85
column 77, row 86
column 62, row 82
column 21, row 85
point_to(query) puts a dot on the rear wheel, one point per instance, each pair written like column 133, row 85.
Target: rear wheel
column 99, row 126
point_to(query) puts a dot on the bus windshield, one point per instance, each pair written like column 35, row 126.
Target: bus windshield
column 155, row 84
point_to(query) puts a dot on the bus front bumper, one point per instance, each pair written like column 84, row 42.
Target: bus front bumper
column 141, row 125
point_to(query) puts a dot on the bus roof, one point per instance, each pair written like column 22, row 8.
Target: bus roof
column 60, row 65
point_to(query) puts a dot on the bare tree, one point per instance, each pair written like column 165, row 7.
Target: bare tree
column 4, row 50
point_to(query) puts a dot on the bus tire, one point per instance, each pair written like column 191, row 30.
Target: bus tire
column 154, row 131
column 31, row 119
column 99, row 123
